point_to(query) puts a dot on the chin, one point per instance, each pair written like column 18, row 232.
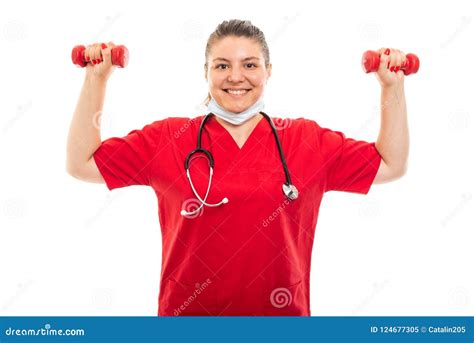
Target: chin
column 236, row 108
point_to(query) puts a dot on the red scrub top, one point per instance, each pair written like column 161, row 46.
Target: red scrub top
column 252, row 255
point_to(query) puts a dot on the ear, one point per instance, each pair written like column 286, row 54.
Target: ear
column 205, row 71
column 269, row 71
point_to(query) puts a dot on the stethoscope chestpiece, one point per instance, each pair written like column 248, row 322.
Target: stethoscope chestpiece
column 290, row 191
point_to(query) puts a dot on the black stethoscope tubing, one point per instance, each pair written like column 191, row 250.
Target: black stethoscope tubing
column 290, row 190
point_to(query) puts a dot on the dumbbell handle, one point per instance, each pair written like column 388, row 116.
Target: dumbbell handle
column 371, row 62
column 119, row 56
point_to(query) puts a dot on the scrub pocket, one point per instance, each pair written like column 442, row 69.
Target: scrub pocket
column 284, row 300
column 181, row 299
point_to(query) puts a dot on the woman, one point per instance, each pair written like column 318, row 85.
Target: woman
column 247, row 251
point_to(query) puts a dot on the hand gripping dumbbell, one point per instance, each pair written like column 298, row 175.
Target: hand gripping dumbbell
column 119, row 56
column 371, row 61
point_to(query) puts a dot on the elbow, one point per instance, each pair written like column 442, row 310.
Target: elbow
column 72, row 170
column 399, row 172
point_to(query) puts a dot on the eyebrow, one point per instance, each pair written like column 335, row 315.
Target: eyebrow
column 225, row 59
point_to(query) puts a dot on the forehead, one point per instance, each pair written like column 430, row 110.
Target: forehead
column 235, row 48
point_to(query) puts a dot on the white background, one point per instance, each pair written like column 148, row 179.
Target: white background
column 73, row 248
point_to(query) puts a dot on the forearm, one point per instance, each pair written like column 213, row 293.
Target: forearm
column 393, row 140
column 84, row 132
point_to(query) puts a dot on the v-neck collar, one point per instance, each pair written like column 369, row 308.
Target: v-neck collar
column 225, row 138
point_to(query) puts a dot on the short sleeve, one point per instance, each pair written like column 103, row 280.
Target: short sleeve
column 351, row 165
column 126, row 161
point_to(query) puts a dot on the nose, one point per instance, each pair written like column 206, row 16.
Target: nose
column 235, row 75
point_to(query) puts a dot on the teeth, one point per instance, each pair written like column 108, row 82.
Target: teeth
column 237, row 92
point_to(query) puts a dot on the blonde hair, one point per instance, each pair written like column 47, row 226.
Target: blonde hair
column 237, row 28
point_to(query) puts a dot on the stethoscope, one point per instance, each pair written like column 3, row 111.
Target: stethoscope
column 289, row 189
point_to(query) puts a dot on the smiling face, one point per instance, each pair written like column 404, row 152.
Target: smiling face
column 236, row 72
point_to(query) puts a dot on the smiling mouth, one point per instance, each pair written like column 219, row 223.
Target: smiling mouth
column 237, row 92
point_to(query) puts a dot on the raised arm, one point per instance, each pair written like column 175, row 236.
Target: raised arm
column 393, row 139
column 84, row 132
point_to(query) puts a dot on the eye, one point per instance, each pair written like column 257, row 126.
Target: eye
column 250, row 65
column 221, row 65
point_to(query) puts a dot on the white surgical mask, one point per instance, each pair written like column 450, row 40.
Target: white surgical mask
column 235, row 118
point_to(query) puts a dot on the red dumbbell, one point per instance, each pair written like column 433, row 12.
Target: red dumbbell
column 371, row 61
column 119, row 56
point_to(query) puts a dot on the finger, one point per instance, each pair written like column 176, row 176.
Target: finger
column 97, row 57
column 92, row 54
column 398, row 61
column 404, row 59
column 393, row 59
column 105, row 51
column 384, row 57
column 87, row 54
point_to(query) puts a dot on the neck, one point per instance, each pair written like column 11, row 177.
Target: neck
column 240, row 133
